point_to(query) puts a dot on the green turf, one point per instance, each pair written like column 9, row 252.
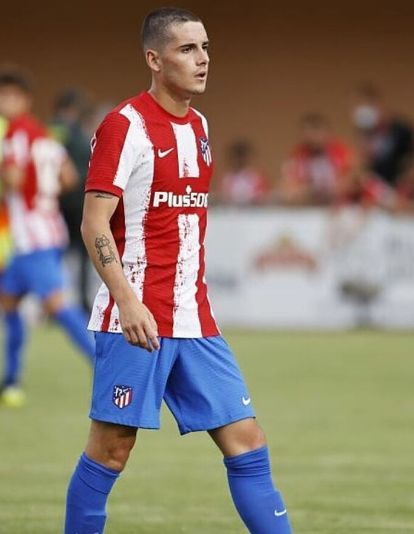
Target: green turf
column 338, row 411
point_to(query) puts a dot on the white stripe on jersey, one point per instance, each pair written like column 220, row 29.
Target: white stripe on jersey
column 186, row 320
column 47, row 156
column 17, row 211
column 127, row 160
column 136, row 198
column 100, row 305
column 187, row 151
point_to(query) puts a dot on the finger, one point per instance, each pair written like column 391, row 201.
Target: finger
column 143, row 341
column 154, row 341
column 131, row 336
column 152, row 336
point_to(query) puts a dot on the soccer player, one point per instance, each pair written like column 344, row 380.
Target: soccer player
column 34, row 170
column 156, row 338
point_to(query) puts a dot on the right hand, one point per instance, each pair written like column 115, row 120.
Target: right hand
column 138, row 325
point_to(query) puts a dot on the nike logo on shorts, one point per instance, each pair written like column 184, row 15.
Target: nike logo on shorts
column 278, row 514
column 247, row 401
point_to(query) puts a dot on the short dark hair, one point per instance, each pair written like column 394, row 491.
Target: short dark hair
column 15, row 78
column 156, row 25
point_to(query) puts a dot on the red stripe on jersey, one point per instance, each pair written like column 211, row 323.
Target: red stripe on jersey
column 30, row 186
column 107, row 315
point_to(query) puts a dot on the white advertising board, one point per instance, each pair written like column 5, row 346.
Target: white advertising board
column 310, row 268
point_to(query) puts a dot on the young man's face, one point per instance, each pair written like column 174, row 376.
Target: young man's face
column 184, row 59
column 14, row 101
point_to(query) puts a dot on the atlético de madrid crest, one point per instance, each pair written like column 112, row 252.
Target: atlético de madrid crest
column 122, row 396
column 205, row 150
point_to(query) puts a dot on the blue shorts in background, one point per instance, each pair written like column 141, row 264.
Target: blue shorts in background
column 40, row 273
column 199, row 379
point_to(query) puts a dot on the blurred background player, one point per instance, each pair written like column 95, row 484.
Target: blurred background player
column 35, row 169
column 243, row 184
column 318, row 170
column 73, row 111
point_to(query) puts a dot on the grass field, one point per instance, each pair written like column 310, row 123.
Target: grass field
column 338, row 410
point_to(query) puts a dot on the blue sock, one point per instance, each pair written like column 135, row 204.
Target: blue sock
column 88, row 492
column 259, row 504
column 73, row 320
column 14, row 341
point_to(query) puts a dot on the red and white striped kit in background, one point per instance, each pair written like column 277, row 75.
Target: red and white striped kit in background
column 35, row 220
column 160, row 166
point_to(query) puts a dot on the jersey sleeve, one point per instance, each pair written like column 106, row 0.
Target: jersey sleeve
column 113, row 156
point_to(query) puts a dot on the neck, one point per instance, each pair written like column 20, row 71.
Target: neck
column 171, row 102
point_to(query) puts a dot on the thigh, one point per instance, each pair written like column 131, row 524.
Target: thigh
column 129, row 382
column 13, row 282
column 44, row 273
column 206, row 389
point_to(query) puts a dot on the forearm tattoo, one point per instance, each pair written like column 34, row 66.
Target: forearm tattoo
column 105, row 251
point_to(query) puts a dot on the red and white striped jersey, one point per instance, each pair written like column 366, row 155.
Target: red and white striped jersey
column 160, row 166
column 35, row 220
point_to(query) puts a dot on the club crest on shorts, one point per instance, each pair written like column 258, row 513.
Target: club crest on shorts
column 205, row 150
column 122, row 396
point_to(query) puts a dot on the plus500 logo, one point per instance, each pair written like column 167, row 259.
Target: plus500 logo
column 189, row 200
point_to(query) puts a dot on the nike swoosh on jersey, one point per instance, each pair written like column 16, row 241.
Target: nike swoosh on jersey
column 163, row 153
column 247, row 401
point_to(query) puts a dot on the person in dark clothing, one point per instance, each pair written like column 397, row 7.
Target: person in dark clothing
column 386, row 141
column 72, row 111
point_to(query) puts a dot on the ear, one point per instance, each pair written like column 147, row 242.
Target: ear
column 153, row 60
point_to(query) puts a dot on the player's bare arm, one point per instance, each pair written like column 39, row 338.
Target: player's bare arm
column 137, row 322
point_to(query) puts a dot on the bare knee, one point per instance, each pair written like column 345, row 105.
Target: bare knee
column 9, row 303
column 54, row 302
column 110, row 444
column 257, row 438
column 240, row 437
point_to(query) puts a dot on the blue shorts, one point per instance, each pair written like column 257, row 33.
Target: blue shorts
column 40, row 273
column 199, row 379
